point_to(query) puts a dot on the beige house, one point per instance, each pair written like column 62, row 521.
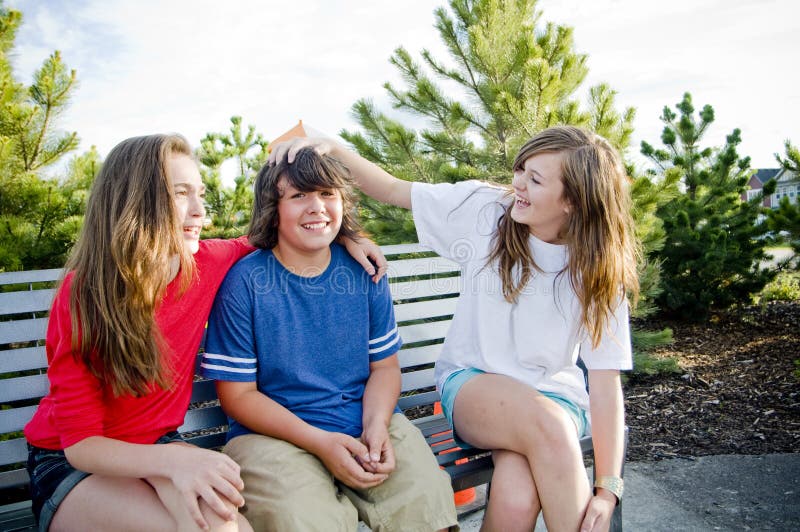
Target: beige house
column 788, row 186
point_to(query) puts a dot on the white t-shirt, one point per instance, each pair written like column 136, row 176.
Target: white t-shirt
column 535, row 340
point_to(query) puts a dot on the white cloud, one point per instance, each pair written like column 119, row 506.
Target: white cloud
column 187, row 66
column 730, row 54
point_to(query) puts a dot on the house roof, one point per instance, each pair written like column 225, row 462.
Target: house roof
column 296, row 131
column 765, row 174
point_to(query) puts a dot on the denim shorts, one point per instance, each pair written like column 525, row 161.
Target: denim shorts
column 52, row 478
column 457, row 379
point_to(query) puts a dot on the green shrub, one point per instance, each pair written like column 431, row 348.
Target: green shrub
column 649, row 364
column 646, row 363
column 785, row 287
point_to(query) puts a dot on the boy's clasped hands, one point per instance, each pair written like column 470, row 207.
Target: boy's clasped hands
column 358, row 464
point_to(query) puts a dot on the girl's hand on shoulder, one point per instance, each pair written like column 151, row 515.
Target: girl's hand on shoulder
column 598, row 513
column 343, row 456
column 288, row 149
column 381, row 452
column 362, row 250
column 210, row 475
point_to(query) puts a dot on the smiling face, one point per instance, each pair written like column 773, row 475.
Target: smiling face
column 538, row 196
column 307, row 221
column 189, row 193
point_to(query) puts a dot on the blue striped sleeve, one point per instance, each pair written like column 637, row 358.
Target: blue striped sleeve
column 216, row 366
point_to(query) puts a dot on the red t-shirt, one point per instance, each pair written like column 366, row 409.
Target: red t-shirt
column 79, row 405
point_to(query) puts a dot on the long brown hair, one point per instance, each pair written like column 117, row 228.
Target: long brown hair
column 308, row 172
column 121, row 265
column 599, row 233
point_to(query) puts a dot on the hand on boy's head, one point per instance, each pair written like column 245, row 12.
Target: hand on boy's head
column 288, row 149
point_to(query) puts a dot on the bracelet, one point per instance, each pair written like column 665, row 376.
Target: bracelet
column 613, row 484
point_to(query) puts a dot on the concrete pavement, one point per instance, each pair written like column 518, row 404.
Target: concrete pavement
column 728, row 493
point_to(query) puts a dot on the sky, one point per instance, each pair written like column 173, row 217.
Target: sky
column 187, row 66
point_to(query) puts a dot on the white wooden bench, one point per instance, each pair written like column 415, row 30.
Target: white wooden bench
column 424, row 288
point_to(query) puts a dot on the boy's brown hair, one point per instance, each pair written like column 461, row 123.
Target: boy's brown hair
column 310, row 171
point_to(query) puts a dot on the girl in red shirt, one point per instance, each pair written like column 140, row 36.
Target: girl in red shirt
column 122, row 337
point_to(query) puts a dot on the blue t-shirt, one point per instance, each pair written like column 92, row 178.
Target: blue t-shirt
column 307, row 341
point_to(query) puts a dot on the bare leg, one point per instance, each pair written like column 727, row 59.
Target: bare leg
column 514, row 503
column 127, row 504
column 112, row 503
column 498, row 412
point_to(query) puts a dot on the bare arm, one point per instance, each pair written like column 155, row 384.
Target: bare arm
column 369, row 177
column 380, row 399
column 195, row 472
column 608, row 426
column 243, row 402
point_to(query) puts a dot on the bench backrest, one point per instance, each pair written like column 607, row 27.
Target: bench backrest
column 424, row 288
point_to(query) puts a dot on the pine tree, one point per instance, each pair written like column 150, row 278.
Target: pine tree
column 507, row 77
column 229, row 208
column 787, row 216
column 713, row 243
column 514, row 80
column 36, row 213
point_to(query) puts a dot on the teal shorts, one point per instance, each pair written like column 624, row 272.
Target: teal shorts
column 457, row 379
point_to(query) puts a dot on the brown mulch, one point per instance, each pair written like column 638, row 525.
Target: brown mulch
column 736, row 393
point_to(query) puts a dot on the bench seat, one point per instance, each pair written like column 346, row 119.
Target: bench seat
column 424, row 288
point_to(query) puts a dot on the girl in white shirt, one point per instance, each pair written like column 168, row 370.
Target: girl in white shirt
column 546, row 266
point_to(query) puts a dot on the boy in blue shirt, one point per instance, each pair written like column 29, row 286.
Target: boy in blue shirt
column 303, row 346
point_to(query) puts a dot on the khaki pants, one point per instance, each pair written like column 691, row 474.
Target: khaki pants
column 289, row 489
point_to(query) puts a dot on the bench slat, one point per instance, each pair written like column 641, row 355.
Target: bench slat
column 14, row 479
column 402, row 249
column 23, row 359
column 203, row 391
column 437, row 286
column 453, row 454
column 30, row 276
column 424, row 331
column 209, row 441
column 13, row 451
column 431, row 424
column 22, row 330
column 17, row 517
column 414, row 380
column 19, row 388
column 418, row 399
column 434, row 308
column 203, row 418
column 30, row 301
column 421, row 267
column 416, row 356
column 473, row 473
column 15, row 419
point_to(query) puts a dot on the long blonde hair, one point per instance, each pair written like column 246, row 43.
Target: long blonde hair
column 121, row 265
column 599, row 233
